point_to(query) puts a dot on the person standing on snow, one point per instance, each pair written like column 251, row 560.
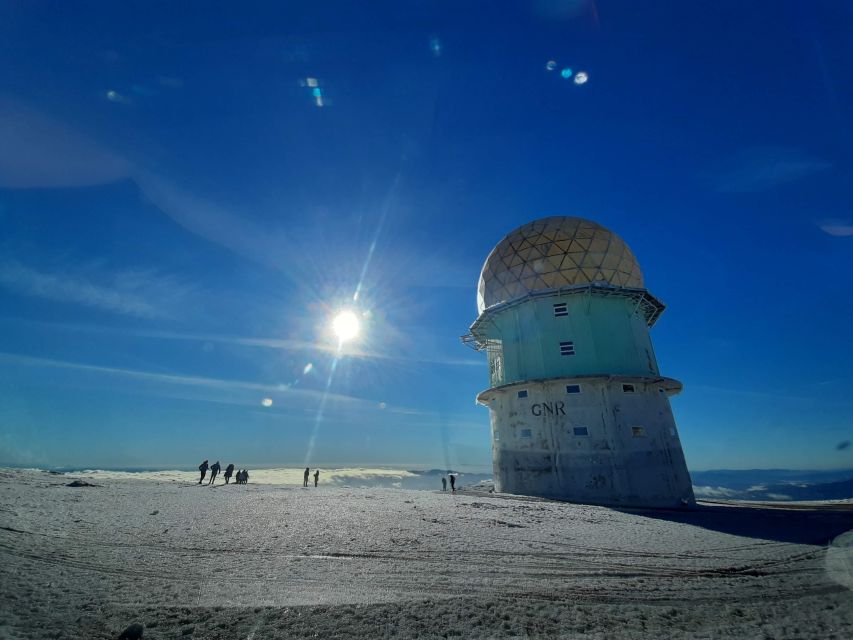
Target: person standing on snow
column 203, row 468
column 213, row 471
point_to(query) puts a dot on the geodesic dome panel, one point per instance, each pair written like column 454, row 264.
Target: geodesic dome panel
column 555, row 252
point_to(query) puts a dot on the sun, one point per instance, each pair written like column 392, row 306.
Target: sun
column 346, row 326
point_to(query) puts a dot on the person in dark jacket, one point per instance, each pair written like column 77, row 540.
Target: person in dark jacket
column 452, row 483
column 203, row 468
column 305, row 477
column 229, row 471
column 316, row 476
column 213, row 471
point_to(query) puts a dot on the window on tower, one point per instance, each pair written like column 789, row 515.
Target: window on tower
column 573, row 388
column 567, row 348
column 526, row 433
column 638, row 432
column 580, row 431
column 628, row 388
column 561, row 309
column 522, row 393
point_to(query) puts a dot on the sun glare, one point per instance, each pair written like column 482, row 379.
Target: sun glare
column 346, row 326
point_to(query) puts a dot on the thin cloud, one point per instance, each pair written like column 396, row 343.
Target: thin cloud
column 764, row 168
column 217, row 224
column 40, row 152
column 219, row 385
column 177, row 379
column 260, row 342
column 837, row 228
column 287, row 250
column 140, row 293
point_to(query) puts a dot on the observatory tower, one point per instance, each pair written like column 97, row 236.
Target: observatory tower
column 579, row 410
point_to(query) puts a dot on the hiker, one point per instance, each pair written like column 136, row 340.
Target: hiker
column 203, row 468
column 245, row 476
column 453, row 483
column 305, row 477
column 443, row 483
column 229, row 471
column 214, row 469
column 316, row 476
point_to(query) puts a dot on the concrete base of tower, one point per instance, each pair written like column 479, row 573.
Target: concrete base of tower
column 594, row 439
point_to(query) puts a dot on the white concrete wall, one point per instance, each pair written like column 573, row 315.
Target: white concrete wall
column 610, row 465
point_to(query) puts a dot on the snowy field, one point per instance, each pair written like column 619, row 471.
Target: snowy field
column 270, row 561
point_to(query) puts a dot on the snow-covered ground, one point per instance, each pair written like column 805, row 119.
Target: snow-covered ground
column 269, row 561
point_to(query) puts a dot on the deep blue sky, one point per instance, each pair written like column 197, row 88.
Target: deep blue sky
column 180, row 219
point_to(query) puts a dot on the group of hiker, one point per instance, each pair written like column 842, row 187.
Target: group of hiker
column 308, row 473
column 452, row 483
column 242, row 476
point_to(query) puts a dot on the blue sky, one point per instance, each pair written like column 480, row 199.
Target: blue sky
column 181, row 218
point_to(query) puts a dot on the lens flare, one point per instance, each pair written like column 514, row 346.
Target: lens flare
column 581, row 77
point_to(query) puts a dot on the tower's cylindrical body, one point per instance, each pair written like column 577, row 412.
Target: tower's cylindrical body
column 579, row 410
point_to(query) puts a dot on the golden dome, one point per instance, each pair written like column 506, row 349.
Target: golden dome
column 555, row 252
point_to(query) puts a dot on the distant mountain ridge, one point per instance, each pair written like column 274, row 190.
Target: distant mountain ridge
column 774, row 484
